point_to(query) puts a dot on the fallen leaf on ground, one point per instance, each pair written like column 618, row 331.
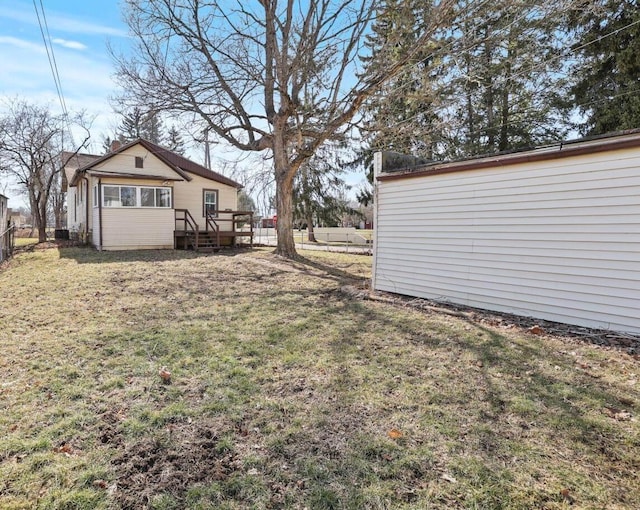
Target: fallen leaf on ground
column 566, row 496
column 165, row 375
column 64, row 448
column 394, row 434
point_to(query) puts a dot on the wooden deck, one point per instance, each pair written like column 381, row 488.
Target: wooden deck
column 225, row 228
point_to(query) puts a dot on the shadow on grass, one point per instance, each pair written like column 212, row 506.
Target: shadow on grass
column 332, row 272
column 295, row 410
column 507, row 376
column 88, row 255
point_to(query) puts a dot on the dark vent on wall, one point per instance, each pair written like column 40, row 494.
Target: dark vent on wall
column 139, row 162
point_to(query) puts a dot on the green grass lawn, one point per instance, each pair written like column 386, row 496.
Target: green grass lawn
column 287, row 392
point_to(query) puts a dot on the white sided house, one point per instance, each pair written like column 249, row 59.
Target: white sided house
column 4, row 213
column 551, row 233
column 143, row 196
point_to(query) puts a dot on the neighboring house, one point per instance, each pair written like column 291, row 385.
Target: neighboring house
column 4, row 213
column 552, row 233
column 17, row 218
column 141, row 195
column 6, row 235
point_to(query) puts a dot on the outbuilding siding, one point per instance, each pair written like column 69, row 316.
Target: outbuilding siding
column 557, row 239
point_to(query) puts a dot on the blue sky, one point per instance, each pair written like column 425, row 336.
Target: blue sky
column 79, row 31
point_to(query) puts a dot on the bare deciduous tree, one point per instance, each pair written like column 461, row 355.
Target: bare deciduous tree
column 31, row 141
column 262, row 75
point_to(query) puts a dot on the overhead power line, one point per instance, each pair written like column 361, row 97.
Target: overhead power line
column 46, row 38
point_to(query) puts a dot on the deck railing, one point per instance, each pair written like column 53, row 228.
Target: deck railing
column 212, row 224
column 216, row 228
column 188, row 225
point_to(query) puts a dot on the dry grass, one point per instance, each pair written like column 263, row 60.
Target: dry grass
column 25, row 241
column 286, row 392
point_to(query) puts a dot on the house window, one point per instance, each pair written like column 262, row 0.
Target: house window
column 210, row 202
column 163, row 197
column 119, row 196
column 155, row 197
column 136, row 196
column 127, row 196
column 139, row 162
column 147, row 197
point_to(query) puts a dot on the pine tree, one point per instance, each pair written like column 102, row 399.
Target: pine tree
column 318, row 191
column 131, row 126
column 153, row 128
column 504, row 76
column 174, row 141
column 136, row 123
column 491, row 82
column 402, row 116
column 606, row 89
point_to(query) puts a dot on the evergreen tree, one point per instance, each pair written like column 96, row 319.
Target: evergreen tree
column 318, row 193
column 245, row 202
column 504, row 76
column 402, row 116
column 131, row 126
column 153, row 128
column 136, row 123
column 606, row 89
column 175, row 142
column 492, row 81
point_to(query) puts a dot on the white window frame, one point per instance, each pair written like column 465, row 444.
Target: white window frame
column 155, row 197
column 215, row 192
column 138, row 197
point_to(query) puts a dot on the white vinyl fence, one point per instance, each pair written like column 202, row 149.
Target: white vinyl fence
column 346, row 240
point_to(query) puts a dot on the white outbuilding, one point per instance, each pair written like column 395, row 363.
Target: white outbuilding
column 551, row 233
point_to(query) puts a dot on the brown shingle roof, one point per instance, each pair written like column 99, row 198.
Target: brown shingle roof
column 178, row 163
column 77, row 160
column 187, row 165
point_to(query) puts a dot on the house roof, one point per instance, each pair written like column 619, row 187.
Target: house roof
column 74, row 160
column 614, row 141
column 77, row 160
column 181, row 165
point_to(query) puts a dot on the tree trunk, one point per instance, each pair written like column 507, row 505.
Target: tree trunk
column 284, row 195
column 42, row 222
column 489, row 101
column 284, row 227
column 310, row 234
column 504, row 127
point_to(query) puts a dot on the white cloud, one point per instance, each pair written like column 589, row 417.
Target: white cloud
column 74, row 45
column 61, row 22
column 22, row 44
column 86, row 79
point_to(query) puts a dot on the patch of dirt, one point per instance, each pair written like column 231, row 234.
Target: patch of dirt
column 602, row 337
column 188, row 455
